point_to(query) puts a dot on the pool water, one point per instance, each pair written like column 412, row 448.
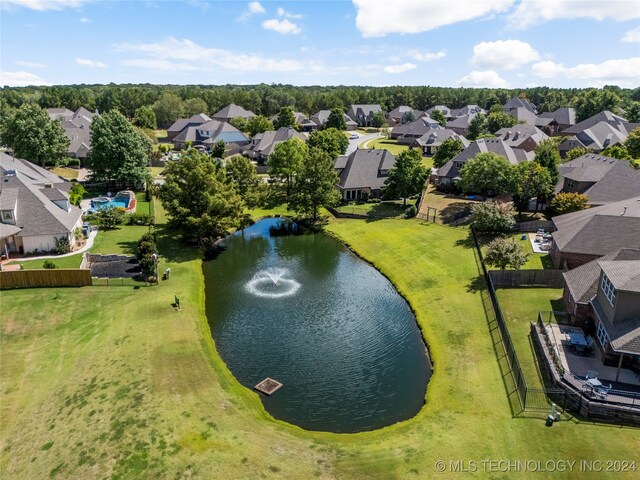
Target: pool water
column 103, row 204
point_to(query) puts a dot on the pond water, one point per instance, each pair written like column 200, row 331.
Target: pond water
column 307, row 312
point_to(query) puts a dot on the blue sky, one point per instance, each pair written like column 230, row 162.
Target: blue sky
column 483, row 43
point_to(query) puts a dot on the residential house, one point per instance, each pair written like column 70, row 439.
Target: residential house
column 602, row 179
column 587, row 235
column 431, row 141
column 77, row 128
column 402, row 115
column 263, row 144
column 304, row 123
column 595, row 138
column 519, row 102
column 460, row 125
column 523, row 136
column 320, row 119
column 408, row 132
column 616, row 121
column 34, row 208
column 363, row 171
column 523, row 115
column 556, row 122
column 446, row 111
column 208, row 133
column 363, row 114
column 466, row 111
column 183, row 123
column 232, row 111
column 449, row 173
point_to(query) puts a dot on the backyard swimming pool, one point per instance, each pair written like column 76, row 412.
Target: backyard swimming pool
column 125, row 199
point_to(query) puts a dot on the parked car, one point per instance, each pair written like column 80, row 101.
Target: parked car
column 354, row 136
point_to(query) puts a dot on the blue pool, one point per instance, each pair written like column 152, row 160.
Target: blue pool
column 103, row 203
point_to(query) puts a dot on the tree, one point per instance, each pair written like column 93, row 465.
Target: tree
column 331, row 141
column 336, row 120
column 198, row 199
column 259, row 124
column 446, row 151
column 32, row 135
column 485, row 173
column 240, row 123
column 286, row 118
column 168, row 108
column 591, row 101
column 218, row 148
column 119, row 152
column 439, row 117
column 633, row 143
column 407, row 177
column 498, row 120
column 408, row 117
column 109, row 218
column 503, row 253
column 492, row 217
column 568, row 202
column 618, row 151
column 194, row 106
column 477, row 126
column 242, row 175
column 76, row 194
column 378, row 120
column 633, row 112
column 145, row 117
column 491, row 101
column 285, row 162
column 546, row 154
column 575, row 153
column 315, row 185
column 531, row 180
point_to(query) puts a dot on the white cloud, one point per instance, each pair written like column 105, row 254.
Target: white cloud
column 377, row 18
column 42, row 5
column 283, row 27
column 20, row 79
column 427, row 57
column 503, row 55
column 632, row 35
column 90, row 63
column 253, row 8
column 405, row 67
column 487, row 79
column 283, row 13
column 532, row 12
column 30, row 64
column 188, row 54
column 85, row 20
column 622, row 72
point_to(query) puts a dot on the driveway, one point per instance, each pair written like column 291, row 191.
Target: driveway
column 353, row 144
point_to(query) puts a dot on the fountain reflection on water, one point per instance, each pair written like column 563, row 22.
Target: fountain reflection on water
column 271, row 283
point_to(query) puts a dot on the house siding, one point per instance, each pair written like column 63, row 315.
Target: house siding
column 627, row 306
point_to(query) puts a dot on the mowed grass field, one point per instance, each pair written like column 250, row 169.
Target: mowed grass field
column 113, row 382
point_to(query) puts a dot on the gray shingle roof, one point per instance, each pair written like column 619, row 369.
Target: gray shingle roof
column 623, row 336
column 518, row 102
column 264, row 143
column 364, row 168
column 417, row 128
column 183, row 123
column 322, row 116
column 562, row 116
column 467, row 110
column 611, row 118
column 435, row 137
column 522, row 114
column 623, row 275
column 363, row 111
column 518, row 134
column 233, row 111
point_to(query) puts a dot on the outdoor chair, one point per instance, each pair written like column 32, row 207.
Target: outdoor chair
column 603, row 391
column 591, row 374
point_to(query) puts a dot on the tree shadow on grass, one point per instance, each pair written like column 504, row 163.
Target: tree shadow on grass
column 173, row 249
column 129, row 248
column 466, row 242
column 380, row 211
column 454, row 211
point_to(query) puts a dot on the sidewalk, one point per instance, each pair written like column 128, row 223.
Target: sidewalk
column 87, row 246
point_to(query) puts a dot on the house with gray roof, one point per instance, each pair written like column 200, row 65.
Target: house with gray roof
column 523, row 115
column 523, row 136
column 35, row 209
column 449, row 173
column 602, row 179
column 605, row 295
column 587, row 235
column 446, row 111
column 595, row 138
column 519, row 102
column 364, row 170
column 460, row 124
column 320, row 119
column 77, row 127
column 183, row 123
column 232, row 111
column 263, row 144
column 363, row 114
column 557, row 121
column 406, row 133
column 431, row 141
column 304, row 123
column 403, row 114
column 616, row 121
column 209, row 133
column 466, row 111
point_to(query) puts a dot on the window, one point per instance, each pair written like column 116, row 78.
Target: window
column 570, row 183
column 608, row 289
column 602, row 336
column 7, row 216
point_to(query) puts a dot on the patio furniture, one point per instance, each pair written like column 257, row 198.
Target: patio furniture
column 603, row 391
column 591, row 374
column 594, row 383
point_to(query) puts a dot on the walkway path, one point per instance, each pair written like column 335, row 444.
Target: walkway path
column 86, row 246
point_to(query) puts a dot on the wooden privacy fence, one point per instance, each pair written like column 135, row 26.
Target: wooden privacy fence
column 527, row 278
column 534, row 225
column 59, row 277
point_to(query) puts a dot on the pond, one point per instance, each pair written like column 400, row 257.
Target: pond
column 305, row 311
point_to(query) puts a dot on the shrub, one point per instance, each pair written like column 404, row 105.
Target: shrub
column 62, row 246
column 49, row 265
column 492, row 217
column 137, row 219
column 147, row 265
column 73, row 163
column 411, row 212
column 568, row 202
column 146, row 248
column 503, row 253
column 109, row 218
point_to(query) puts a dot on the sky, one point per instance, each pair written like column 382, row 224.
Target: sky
column 471, row 43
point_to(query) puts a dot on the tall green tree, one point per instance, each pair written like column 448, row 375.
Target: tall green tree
column 498, row 120
column 145, row 117
column 336, row 120
column 286, row 118
column 568, row 202
column 285, row 161
column 259, row 124
column 492, row 217
column 486, row 173
column 378, row 120
column 575, row 153
column 199, row 201
column 315, row 185
column 332, row 141
column 633, row 143
column 591, row 101
column 119, row 152
column 618, row 151
column 531, row 180
column 633, row 112
column 169, row 107
column 407, row 177
column 194, row 106
column 546, row 154
column 503, row 253
column 445, row 152
column 439, row 117
column 240, row 123
column 32, row 135
column 241, row 173
column 477, row 126
column 218, row 149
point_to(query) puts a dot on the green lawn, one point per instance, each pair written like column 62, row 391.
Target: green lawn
column 112, row 382
column 520, row 306
column 156, row 171
column 375, row 210
column 65, row 172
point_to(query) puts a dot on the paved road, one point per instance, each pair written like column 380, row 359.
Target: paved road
column 353, row 144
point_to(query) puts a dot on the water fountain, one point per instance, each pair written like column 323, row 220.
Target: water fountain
column 271, row 283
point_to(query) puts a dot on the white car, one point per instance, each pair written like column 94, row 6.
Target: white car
column 354, row 136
